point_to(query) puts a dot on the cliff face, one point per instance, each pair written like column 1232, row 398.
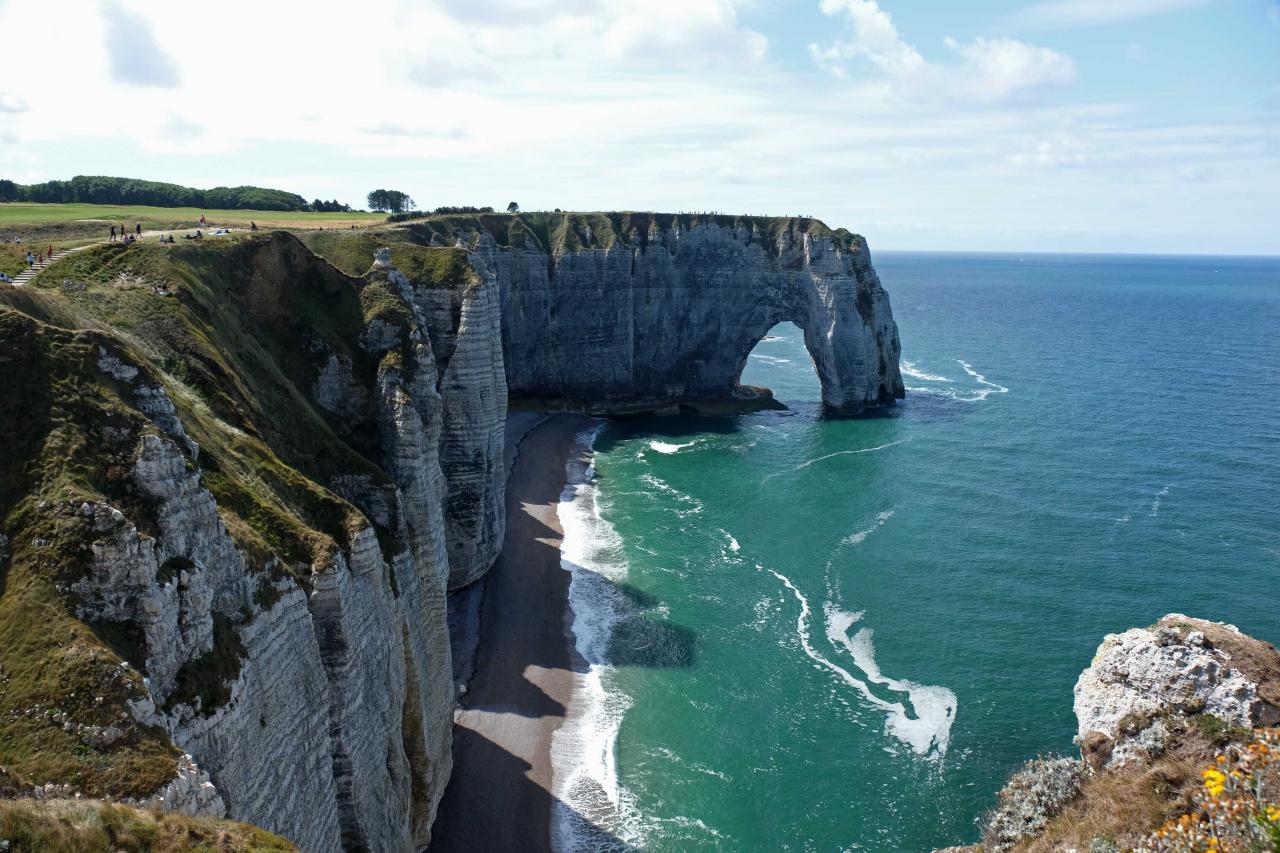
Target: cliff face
column 228, row 522
column 640, row 313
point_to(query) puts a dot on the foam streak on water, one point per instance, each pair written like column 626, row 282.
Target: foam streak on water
column 909, row 369
column 851, row 452
column 927, row 727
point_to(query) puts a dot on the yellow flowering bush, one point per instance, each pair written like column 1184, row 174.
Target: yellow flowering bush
column 1237, row 807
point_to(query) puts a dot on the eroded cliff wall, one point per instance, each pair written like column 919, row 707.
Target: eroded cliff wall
column 645, row 312
column 229, row 523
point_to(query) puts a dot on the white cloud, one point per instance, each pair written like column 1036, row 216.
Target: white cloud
column 985, row 70
column 1002, row 69
column 874, row 38
column 692, row 33
column 12, row 103
column 135, row 55
column 1082, row 13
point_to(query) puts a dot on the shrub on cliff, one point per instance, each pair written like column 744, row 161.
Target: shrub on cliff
column 1238, row 808
column 1033, row 796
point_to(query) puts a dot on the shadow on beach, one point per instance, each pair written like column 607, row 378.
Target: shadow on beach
column 519, row 666
column 508, row 827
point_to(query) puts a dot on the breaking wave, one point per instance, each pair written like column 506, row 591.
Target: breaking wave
column 663, row 447
column 584, row 772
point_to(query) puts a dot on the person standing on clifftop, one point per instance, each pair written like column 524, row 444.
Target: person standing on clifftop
column 139, row 229
column 113, row 232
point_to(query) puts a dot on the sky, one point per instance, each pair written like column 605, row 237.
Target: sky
column 1005, row 125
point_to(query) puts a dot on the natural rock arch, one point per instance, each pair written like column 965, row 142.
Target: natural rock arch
column 643, row 325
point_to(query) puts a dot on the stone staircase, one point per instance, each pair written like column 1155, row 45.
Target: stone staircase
column 31, row 272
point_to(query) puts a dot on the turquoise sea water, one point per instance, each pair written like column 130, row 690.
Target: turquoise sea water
column 844, row 634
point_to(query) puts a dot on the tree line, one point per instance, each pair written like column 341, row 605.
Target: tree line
column 99, row 189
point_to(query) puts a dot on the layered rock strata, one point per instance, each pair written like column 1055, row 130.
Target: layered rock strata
column 646, row 312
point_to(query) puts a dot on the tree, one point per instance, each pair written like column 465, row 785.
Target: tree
column 392, row 200
column 513, row 208
column 8, row 190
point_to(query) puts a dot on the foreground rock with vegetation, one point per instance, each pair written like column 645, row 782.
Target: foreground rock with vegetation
column 1177, row 751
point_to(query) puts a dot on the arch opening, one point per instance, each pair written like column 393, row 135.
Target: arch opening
column 781, row 362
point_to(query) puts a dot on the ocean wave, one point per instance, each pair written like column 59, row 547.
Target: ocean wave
column 584, row 772
column 926, row 727
column 770, row 359
column 768, row 339
column 909, row 369
column 663, row 447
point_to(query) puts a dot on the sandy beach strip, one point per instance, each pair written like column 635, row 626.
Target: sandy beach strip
column 521, row 678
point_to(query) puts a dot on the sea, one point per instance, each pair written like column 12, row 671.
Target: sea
column 815, row 634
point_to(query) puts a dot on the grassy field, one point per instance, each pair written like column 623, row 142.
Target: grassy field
column 75, row 224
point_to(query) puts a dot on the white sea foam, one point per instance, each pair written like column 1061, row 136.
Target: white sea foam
column 970, row 395
column 990, row 387
column 770, row 359
column 768, row 339
column 861, row 536
column 927, row 727
column 584, row 773
column 1155, row 502
column 663, row 447
column 733, row 543
column 909, row 369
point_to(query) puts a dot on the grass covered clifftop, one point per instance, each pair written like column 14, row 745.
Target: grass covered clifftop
column 558, row 233
column 236, row 331
column 561, row 232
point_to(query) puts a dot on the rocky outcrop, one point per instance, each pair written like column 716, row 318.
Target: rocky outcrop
column 1142, row 679
column 638, row 313
column 1155, row 707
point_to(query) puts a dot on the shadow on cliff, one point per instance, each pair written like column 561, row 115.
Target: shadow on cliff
column 465, row 823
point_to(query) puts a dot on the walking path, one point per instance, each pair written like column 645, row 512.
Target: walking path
column 31, row 272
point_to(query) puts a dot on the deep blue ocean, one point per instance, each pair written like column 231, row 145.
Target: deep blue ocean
column 824, row 635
